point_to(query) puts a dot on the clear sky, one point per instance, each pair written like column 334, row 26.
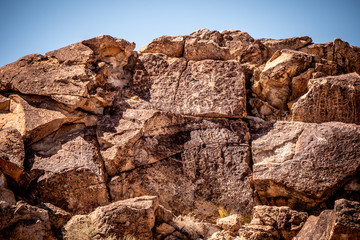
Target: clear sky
column 39, row 26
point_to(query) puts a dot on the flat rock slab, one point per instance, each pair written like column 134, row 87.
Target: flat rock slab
column 304, row 163
column 200, row 88
column 333, row 98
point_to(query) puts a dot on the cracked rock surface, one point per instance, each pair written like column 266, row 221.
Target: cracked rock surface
column 99, row 140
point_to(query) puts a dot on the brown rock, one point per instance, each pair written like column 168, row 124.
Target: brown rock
column 140, row 138
column 258, row 232
column 212, row 166
column 274, row 85
column 23, row 220
column 298, row 163
column 294, row 43
column 165, row 229
column 205, row 44
column 170, row 46
column 237, row 42
column 230, row 223
column 83, row 75
column 35, row 118
column 212, row 88
column 131, row 217
column 68, row 170
column 57, row 216
column 330, row 99
column 340, row 223
column 285, row 221
column 198, row 88
column 4, row 103
column 12, row 156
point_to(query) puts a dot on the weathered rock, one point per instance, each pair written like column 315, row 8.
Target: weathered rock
column 165, row 229
column 35, row 118
column 4, row 103
column 298, row 163
column 223, row 235
column 69, row 170
column 168, row 45
column 12, row 156
column 294, row 43
column 140, row 137
column 198, row 88
column 57, row 216
column 230, row 223
column 286, row 222
column 83, row 75
column 345, row 56
column 237, row 42
column 340, row 223
column 131, row 217
column 258, row 232
column 7, row 195
column 212, row 166
column 330, row 99
column 205, row 44
column 274, row 84
column 156, row 79
column 212, row 88
column 22, row 221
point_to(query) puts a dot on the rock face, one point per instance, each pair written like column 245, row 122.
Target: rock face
column 340, row 223
column 298, row 163
column 203, row 122
column 330, row 99
column 132, row 217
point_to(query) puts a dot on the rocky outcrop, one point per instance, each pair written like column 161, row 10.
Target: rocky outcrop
column 132, row 217
column 340, row 223
column 201, row 122
column 330, row 99
column 297, row 164
column 187, row 178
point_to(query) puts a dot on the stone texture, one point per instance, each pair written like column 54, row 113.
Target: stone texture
column 212, row 166
column 199, row 88
column 285, row 221
column 134, row 217
column 330, row 99
column 35, row 118
column 12, row 156
column 170, row 46
column 205, row 44
column 274, row 85
column 140, row 137
column 212, row 88
column 22, row 220
column 83, row 75
column 298, row 163
column 340, row 223
column 67, row 170
column 294, row 43
column 230, row 223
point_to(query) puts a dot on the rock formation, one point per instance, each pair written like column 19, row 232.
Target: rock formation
column 98, row 141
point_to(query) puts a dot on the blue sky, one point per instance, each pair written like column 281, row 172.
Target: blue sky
column 39, row 26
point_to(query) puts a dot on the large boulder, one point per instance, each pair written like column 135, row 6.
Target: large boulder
column 333, row 98
column 22, row 221
column 340, row 223
column 67, row 170
column 276, row 222
column 274, row 84
column 132, row 217
column 168, row 45
column 303, row 164
column 84, row 75
column 201, row 88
